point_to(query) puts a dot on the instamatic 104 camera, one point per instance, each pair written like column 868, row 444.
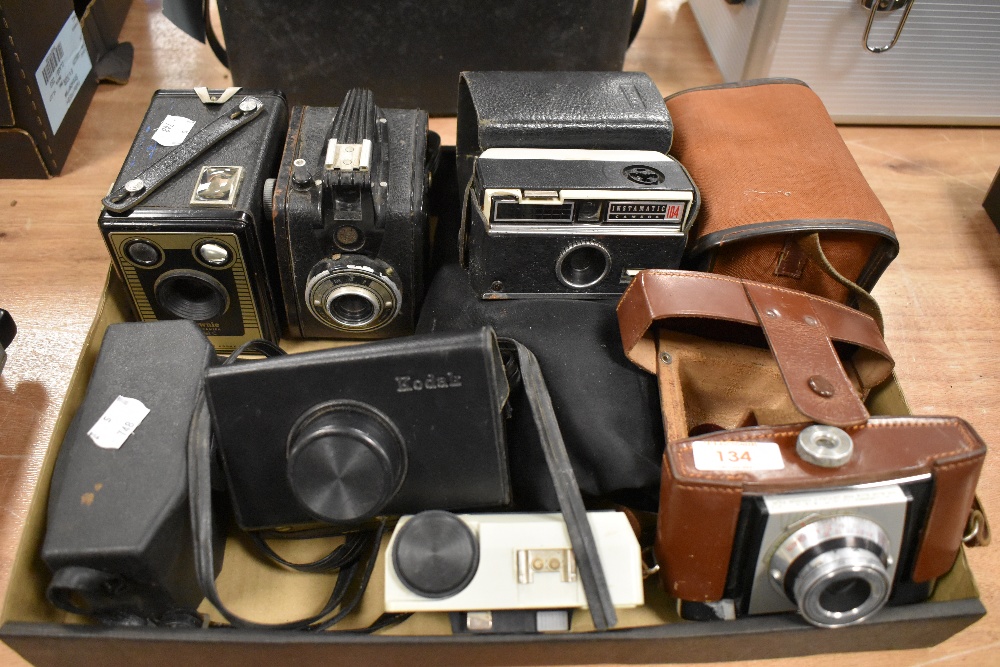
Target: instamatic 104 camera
column 438, row 561
column 834, row 524
column 574, row 222
column 349, row 217
column 183, row 221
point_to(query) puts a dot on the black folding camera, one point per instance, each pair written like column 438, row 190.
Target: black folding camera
column 574, row 222
column 349, row 218
column 342, row 435
column 183, row 221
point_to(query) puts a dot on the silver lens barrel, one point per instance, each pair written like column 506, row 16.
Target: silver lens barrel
column 835, row 569
column 353, row 293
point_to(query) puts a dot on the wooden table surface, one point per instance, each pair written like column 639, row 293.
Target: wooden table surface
column 941, row 297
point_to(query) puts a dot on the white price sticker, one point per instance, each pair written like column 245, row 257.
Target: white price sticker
column 118, row 422
column 736, row 456
column 173, row 130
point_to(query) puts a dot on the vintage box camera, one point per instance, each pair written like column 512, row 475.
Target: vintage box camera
column 183, row 221
column 834, row 524
column 574, row 222
column 438, row 561
column 339, row 436
column 349, row 218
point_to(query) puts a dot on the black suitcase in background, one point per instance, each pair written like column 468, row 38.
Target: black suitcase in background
column 409, row 53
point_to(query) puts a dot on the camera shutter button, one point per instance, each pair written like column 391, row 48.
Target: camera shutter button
column 435, row 554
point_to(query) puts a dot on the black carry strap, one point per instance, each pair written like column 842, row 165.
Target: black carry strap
column 136, row 189
column 581, row 537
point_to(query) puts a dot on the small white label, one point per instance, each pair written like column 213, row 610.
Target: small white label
column 118, row 422
column 173, row 131
column 63, row 70
column 737, row 456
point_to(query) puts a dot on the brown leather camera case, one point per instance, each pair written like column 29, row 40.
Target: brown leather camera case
column 728, row 352
column 772, row 169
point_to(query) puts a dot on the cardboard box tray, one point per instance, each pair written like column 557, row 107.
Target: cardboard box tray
column 45, row 635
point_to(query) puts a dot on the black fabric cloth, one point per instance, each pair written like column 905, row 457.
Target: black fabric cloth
column 607, row 408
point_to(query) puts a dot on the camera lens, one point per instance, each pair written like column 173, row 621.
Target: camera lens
column 845, row 595
column 353, row 293
column 346, row 460
column 191, row 295
column 835, row 569
column 353, row 305
column 583, row 265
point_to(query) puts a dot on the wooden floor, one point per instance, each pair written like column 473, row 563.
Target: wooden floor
column 941, row 297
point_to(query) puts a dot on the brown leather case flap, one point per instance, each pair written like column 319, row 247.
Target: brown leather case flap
column 800, row 329
column 699, row 508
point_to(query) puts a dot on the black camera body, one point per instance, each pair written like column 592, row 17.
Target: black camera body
column 569, row 222
column 340, row 436
column 350, row 220
column 118, row 534
column 184, row 222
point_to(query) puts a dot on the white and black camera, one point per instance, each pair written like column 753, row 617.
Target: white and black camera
column 486, row 564
column 574, row 222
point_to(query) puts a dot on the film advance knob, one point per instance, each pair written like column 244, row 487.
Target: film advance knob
column 346, row 461
column 435, row 554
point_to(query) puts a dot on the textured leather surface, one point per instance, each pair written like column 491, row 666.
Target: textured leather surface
column 767, row 155
column 800, row 336
column 606, row 407
column 411, row 52
column 591, row 110
column 698, row 509
column 805, row 356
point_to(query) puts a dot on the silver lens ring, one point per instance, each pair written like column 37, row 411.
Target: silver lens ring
column 835, row 569
column 842, row 587
column 583, row 265
column 353, row 295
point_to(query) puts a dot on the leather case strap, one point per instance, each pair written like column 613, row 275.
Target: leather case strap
column 233, row 117
column 694, row 561
column 801, row 331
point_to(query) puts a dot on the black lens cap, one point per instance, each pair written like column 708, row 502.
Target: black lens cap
column 436, row 554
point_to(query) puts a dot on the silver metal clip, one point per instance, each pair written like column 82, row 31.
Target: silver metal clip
column 875, row 6
column 222, row 98
column 532, row 561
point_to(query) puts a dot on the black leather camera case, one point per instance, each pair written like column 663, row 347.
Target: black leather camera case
column 389, row 427
column 118, row 538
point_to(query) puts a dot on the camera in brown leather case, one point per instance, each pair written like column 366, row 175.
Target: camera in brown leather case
column 779, row 491
column 749, row 525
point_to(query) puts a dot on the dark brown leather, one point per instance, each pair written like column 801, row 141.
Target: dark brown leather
column 699, row 509
column 800, row 334
column 772, row 166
